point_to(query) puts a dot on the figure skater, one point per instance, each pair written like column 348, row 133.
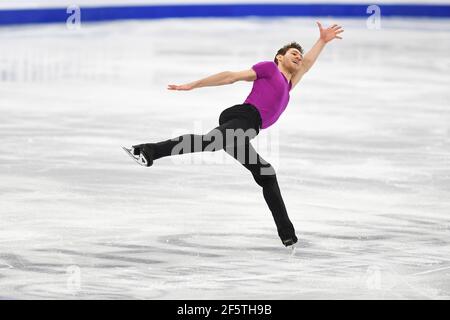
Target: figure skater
column 272, row 83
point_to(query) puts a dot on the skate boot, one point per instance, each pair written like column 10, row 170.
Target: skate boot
column 290, row 241
column 142, row 153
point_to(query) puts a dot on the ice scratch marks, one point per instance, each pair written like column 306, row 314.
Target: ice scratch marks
column 133, row 248
column 431, row 271
column 18, row 262
column 106, row 256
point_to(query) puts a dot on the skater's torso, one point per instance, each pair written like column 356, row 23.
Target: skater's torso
column 270, row 92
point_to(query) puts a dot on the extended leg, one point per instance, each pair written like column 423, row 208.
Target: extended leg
column 233, row 131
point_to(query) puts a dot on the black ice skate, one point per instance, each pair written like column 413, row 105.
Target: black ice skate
column 290, row 242
column 142, row 154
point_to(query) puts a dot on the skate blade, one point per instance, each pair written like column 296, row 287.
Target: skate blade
column 293, row 250
column 139, row 159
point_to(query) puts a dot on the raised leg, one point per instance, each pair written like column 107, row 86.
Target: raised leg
column 232, row 132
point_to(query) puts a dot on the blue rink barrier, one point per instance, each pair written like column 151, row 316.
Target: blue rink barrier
column 59, row 15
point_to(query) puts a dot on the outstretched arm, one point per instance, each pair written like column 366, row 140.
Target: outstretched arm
column 326, row 35
column 219, row 79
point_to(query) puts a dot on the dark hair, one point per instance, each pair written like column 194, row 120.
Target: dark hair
column 285, row 49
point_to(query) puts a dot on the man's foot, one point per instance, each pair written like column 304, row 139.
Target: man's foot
column 142, row 154
column 290, row 241
column 135, row 156
column 146, row 151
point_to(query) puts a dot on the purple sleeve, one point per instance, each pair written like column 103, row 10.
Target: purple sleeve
column 264, row 69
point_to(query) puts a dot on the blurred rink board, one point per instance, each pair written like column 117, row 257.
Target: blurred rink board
column 52, row 11
column 69, row 60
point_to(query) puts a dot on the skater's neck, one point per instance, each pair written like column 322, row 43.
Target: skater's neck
column 287, row 74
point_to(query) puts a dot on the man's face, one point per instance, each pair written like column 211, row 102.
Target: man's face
column 292, row 60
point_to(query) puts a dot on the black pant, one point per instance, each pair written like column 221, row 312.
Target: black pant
column 245, row 121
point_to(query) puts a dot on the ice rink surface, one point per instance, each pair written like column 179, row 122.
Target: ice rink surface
column 362, row 155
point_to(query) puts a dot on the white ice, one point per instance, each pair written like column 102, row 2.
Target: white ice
column 362, row 155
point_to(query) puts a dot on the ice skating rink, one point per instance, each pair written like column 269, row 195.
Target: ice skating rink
column 362, row 155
